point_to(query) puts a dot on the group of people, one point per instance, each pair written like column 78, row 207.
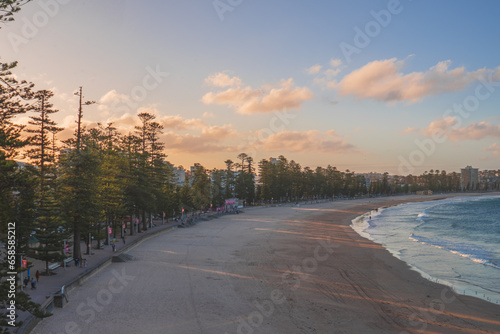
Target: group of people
column 27, row 280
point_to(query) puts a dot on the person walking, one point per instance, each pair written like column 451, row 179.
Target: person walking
column 37, row 275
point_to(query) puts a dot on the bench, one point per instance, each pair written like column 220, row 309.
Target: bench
column 54, row 266
column 67, row 262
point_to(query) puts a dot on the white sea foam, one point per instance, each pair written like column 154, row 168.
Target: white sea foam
column 436, row 239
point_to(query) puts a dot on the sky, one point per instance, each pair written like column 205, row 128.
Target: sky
column 371, row 86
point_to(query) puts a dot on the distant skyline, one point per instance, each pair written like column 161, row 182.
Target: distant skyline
column 372, row 86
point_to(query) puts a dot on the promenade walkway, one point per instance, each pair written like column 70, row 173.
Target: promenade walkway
column 48, row 286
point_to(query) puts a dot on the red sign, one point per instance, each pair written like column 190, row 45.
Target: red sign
column 109, row 230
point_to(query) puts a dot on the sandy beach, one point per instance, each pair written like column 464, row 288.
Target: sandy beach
column 270, row 270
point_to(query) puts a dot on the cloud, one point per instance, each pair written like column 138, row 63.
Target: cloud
column 450, row 127
column 476, row 131
column 201, row 137
column 125, row 123
column 222, row 80
column 180, row 123
column 383, row 80
column 494, row 149
column 330, row 73
column 306, row 141
column 267, row 99
column 113, row 104
column 409, row 130
column 439, row 127
column 209, row 141
column 215, row 132
column 314, row 69
column 335, row 62
column 112, row 97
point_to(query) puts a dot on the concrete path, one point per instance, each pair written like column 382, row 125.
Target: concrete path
column 49, row 285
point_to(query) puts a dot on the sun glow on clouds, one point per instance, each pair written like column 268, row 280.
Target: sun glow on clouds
column 307, row 141
column 247, row 100
column 314, row 69
column 211, row 140
column 383, row 80
column 452, row 129
column 494, row 149
column 334, row 67
column 222, row 80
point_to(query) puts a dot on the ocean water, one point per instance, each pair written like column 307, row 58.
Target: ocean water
column 454, row 241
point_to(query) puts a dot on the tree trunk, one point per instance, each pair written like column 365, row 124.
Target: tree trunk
column 144, row 223
column 77, row 252
column 89, row 244
column 132, row 224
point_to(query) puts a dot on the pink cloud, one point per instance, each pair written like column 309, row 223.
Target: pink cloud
column 218, row 132
column 222, row 80
column 476, row 131
column 383, row 80
column 314, row 69
column 180, row 123
column 267, row 99
column 194, row 144
column 409, row 130
column 440, row 126
column 494, row 149
column 449, row 126
column 306, row 141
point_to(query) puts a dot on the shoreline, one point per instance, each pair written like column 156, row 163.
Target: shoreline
column 431, row 300
column 457, row 289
